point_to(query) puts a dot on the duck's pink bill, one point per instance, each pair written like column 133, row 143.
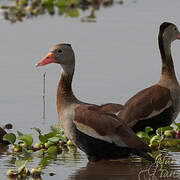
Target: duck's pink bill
column 47, row 60
column 178, row 36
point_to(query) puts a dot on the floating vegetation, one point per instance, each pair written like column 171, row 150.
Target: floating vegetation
column 165, row 137
column 54, row 143
column 18, row 10
column 49, row 146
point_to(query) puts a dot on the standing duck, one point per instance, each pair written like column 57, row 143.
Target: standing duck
column 111, row 108
column 158, row 105
column 100, row 135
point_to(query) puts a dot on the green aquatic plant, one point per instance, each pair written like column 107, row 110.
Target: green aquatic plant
column 21, row 9
column 49, row 146
column 165, row 137
column 145, row 134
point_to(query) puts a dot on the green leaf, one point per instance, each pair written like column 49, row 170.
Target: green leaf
column 20, row 133
column 10, row 137
column 51, row 134
column 27, row 138
column 54, row 139
column 73, row 2
column 172, row 142
column 56, row 128
column 155, row 138
column 72, row 12
column 39, row 152
column 52, row 150
column 63, row 138
column 47, row 3
column 44, row 160
column 167, row 128
column 177, row 126
column 43, row 138
column 148, row 130
column 37, row 129
column 62, row 3
column 27, row 153
column 160, row 131
column 20, row 162
column 143, row 135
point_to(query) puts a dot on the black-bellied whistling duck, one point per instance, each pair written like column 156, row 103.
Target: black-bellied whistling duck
column 111, row 108
column 100, row 135
column 157, row 105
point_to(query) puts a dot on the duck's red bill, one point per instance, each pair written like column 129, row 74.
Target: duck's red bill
column 47, row 60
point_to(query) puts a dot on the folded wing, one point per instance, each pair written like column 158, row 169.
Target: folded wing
column 107, row 127
column 146, row 104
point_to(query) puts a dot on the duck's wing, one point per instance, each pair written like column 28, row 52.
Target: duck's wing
column 146, row 104
column 111, row 107
column 107, row 127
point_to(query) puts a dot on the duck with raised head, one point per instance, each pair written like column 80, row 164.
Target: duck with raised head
column 158, row 105
column 100, row 135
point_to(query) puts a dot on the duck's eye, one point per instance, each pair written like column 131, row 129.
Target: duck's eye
column 59, row 51
column 175, row 29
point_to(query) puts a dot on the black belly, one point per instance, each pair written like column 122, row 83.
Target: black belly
column 97, row 149
column 162, row 119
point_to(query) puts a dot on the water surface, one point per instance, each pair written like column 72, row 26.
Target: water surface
column 115, row 57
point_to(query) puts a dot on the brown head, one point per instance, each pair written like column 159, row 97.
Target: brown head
column 169, row 32
column 61, row 53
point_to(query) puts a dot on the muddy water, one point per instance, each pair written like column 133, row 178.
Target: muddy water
column 115, row 57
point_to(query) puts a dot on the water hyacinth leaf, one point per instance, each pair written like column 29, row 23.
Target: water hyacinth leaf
column 167, row 128
column 52, row 150
column 20, row 162
column 27, row 138
column 63, row 138
column 56, row 128
column 72, row 12
column 75, row 2
column 155, row 138
column 62, row 3
column 172, row 142
column 10, row 137
column 43, row 138
column 51, row 134
column 44, row 161
column 54, row 139
column 47, row 3
column 177, row 126
column 22, row 2
column 20, row 133
column 37, row 130
column 27, row 153
column 160, row 131
column 148, row 130
column 39, row 152
column 50, row 10
column 143, row 135
column 61, row 11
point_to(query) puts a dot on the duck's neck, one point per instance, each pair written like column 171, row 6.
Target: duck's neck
column 167, row 71
column 65, row 94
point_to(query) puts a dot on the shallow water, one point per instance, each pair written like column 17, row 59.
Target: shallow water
column 115, row 57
